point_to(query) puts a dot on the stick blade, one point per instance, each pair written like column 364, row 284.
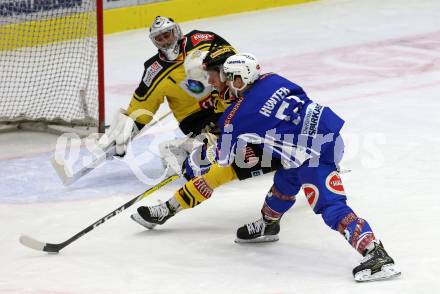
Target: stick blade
column 30, row 242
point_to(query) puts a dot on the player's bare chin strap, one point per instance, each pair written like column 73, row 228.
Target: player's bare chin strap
column 200, row 188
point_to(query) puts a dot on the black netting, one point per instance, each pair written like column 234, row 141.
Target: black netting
column 48, row 61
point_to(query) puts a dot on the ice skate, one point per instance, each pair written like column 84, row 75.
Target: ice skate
column 259, row 231
column 150, row 216
column 376, row 265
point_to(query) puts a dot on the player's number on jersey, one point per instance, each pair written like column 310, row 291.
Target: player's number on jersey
column 281, row 115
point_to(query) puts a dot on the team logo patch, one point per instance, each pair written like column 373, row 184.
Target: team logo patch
column 334, row 183
column 312, row 194
column 151, row 73
column 197, row 38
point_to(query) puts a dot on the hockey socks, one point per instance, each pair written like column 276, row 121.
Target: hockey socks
column 356, row 231
column 276, row 204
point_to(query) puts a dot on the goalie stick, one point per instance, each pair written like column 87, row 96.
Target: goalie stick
column 68, row 178
column 56, row 247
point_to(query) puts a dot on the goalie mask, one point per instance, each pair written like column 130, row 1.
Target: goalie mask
column 165, row 35
column 244, row 65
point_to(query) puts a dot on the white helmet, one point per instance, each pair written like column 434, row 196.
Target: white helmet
column 244, row 65
column 162, row 25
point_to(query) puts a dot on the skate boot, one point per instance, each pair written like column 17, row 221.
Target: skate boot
column 376, row 265
column 261, row 230
column 150, row 216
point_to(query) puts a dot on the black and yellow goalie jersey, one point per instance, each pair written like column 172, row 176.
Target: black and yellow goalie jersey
column 163, row 79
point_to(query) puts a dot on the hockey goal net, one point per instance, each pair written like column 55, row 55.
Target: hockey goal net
column 51, row 62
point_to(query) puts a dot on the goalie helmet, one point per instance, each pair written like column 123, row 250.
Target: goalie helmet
column 165, row 35
column 244, row 65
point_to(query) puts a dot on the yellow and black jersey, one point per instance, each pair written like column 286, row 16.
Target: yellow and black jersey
column 164, row 79
column 206, row 119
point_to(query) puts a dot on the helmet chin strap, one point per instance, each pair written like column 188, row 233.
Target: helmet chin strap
column 236, row 91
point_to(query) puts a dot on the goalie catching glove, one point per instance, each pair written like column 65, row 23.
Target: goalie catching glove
column 122, row 130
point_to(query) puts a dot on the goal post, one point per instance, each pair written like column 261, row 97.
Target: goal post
column 52, row 63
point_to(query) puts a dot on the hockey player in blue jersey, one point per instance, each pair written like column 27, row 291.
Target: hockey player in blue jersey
column 277, row 114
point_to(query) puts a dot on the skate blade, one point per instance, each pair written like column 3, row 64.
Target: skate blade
column 137, row 218
column 388, row 271
column 262, row 239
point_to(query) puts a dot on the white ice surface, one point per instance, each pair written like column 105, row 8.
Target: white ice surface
column 375, row 62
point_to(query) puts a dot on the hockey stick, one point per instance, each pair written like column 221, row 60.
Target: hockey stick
column 68, row 178
column 56, row 247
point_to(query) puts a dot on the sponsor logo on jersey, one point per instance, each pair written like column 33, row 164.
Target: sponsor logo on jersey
column 312, row 194
column 207, row 102
column 311, row 120
column 195, row 86
column 232, row 113
column 151, row 73
column 334, row 183
column 202, row 187
column 199, row 37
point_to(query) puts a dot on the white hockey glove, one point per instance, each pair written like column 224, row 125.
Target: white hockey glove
column 199, row 161
column 174, row 152
column 122, row 130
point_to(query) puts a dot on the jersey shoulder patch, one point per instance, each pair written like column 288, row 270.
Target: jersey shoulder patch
column 152, row 69
column 197, row 37
column 155, row 70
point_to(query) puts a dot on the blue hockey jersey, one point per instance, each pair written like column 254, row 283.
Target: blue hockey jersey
column 276, row 114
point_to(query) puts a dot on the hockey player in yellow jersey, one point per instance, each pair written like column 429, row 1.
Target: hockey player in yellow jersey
column 200, row 185
column 163, row 79
column 164, row 75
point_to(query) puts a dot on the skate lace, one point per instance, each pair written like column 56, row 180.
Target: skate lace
column 370, row 254
column 256, row 226
column 160, row 211
column 366, row 258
